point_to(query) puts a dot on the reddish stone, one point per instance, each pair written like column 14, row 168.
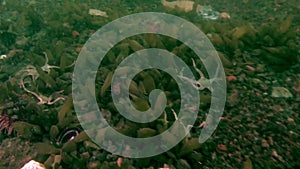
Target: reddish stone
column 222, row 147
column 231, row 78
column 119, row 161
column 75, row 34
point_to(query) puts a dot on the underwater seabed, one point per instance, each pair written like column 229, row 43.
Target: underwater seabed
column 257, row 42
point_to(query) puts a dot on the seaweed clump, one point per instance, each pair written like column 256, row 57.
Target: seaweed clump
column 275, row 44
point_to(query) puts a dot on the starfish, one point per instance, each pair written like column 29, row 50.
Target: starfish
column 202, row 83
column 43, row 99
column 47, row 67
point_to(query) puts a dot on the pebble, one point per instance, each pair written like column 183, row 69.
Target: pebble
column 271, row 142
column 222, row 147
column 97, row 12
column 250, row 68
column 93, row 164
column 86, row 155
column 264, row 143
column 231, row 78
column 224, row 15
column 291, row 121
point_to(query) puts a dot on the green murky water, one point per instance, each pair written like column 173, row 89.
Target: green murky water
column 258, row 43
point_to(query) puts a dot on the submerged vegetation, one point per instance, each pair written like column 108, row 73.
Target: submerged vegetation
column 259, row 49
column 273, row 43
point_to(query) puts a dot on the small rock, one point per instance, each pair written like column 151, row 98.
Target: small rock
column 231, row 78
column 297, row 89
column 185, row 6
column 275, row 154
column 264, row 143
column 224, row 15
column 33, row 165
column 93, row 164
column 291, row 121
column 271, row 142
column 85, row 155
column 222, row 147
column 97, row 12
column 75, row 33
column 250, row 68
column 281, row 92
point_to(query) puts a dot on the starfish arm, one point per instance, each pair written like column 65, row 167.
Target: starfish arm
column 56, row 100
column 46, row 58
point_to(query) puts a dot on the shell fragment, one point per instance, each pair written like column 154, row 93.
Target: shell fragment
column 97, row 12
column 281, row 92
